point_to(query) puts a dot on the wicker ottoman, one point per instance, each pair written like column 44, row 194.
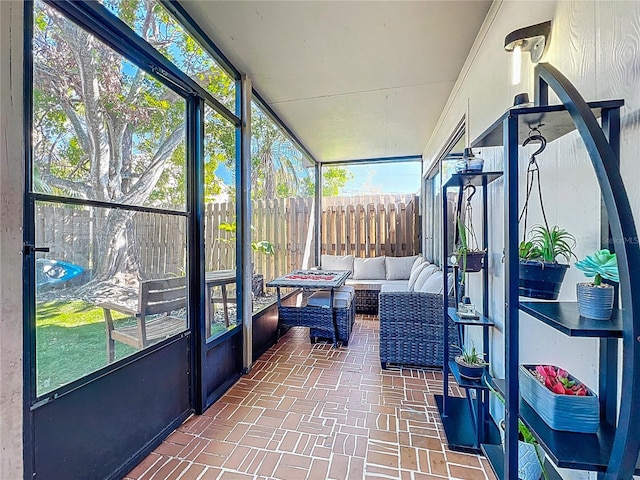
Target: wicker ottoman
column 345, row 312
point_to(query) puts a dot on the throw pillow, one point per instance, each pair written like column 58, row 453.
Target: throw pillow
column 433, row 283
column 369, row 268
column 414, row 275
column 337, row 262
column 425, row 274
column 399, row 268
column 419, row 261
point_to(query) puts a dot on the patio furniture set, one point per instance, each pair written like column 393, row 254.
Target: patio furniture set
column 408, row 292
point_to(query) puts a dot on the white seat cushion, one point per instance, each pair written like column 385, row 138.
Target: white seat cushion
column 433, row 284
column 418, row 261
column 347, row 289
column 322, row 298
column 425, row 274
column 394, row 287
column 337, row 262
column 414, row 275
column 399, row 268
column 369, row 268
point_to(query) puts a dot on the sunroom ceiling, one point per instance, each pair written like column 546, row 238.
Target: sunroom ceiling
column 351, row 79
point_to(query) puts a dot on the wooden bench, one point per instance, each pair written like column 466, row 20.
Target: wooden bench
column 158, row 301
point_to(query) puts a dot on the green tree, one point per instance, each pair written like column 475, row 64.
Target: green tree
column 104, row 129
column 333, row 181
column 276, row 165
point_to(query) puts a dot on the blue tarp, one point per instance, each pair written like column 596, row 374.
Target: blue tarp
column 53, row 272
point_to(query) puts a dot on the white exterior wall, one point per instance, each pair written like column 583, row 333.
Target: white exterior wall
column 596, row 46
column 11, row 182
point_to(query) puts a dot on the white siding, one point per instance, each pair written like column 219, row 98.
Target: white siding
column 596, row 45
column 11, row 181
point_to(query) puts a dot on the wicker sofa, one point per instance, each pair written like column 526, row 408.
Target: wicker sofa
column 411, row 331
column 370, row 274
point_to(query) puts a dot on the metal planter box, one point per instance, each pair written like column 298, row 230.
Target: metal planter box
column 561, row 412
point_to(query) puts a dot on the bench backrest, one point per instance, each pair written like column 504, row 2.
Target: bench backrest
column 162, row 296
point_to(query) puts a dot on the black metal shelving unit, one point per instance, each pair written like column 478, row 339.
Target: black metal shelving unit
column 613, row 449
column 466, row 421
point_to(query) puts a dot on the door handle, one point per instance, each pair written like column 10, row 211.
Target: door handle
column 29, row 249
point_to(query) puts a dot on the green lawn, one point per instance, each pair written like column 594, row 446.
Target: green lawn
column 71, row 342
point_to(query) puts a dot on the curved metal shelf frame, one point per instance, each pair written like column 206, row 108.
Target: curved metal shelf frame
column 624, row 235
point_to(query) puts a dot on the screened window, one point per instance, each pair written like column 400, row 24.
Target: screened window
column 103, row 131
column 282, row 201
column 102, row 128
column 220, row 223
column 154, row 23
column 371, row 210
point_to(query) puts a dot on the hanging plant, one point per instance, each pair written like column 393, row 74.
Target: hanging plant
column 541, row 275
column 468, row 256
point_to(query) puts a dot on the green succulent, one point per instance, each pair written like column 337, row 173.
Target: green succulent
column 546, row 244
column 470, row 357
column 602, row 264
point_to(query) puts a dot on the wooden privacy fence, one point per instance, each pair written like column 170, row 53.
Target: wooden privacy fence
column 371, row 226
column 365, row 226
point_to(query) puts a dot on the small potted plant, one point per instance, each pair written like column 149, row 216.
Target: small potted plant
column 561, row 400
column 540, row 273
column 470, row 363
column 528, row 448
column 469, row 259
column 595, row 299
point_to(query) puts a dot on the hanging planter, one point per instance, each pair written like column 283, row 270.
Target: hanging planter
column 541, row 280
column 467, row 256
column 541, row 275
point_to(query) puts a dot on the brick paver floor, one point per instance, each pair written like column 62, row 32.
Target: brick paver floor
column 313, row 412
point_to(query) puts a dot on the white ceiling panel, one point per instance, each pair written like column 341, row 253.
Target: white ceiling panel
column 351, row 79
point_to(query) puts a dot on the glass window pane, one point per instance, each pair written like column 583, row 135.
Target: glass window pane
column 154, row 23
column 102, row 259
column 371, row 210
column 102, row 128
column 220, row 223
column 282, row 188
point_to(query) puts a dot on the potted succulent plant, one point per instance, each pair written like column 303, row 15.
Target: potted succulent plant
column 470, row 363
column 540, row 273
column 561, row 400
column 595, row 299
column 528, row 448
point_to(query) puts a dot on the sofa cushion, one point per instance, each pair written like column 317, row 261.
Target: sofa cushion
column 365, row 284
column 418, row 261
column 399, row 268
column 392, row 286
column 414, row 275
column 322, row 297
column 369, row 268
column 433, row 284
column 337, row 262
column 425, row 274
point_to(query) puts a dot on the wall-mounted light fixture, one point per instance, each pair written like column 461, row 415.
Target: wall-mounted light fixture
column 532, row 39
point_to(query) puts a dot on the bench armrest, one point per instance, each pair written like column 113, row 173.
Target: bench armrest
column 118, row 308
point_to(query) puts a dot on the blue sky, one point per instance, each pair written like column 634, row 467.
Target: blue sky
column 384, row 178
column 369, row 179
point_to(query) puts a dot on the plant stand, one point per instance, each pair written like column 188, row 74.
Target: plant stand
column 613, row 449
column 466, row 421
